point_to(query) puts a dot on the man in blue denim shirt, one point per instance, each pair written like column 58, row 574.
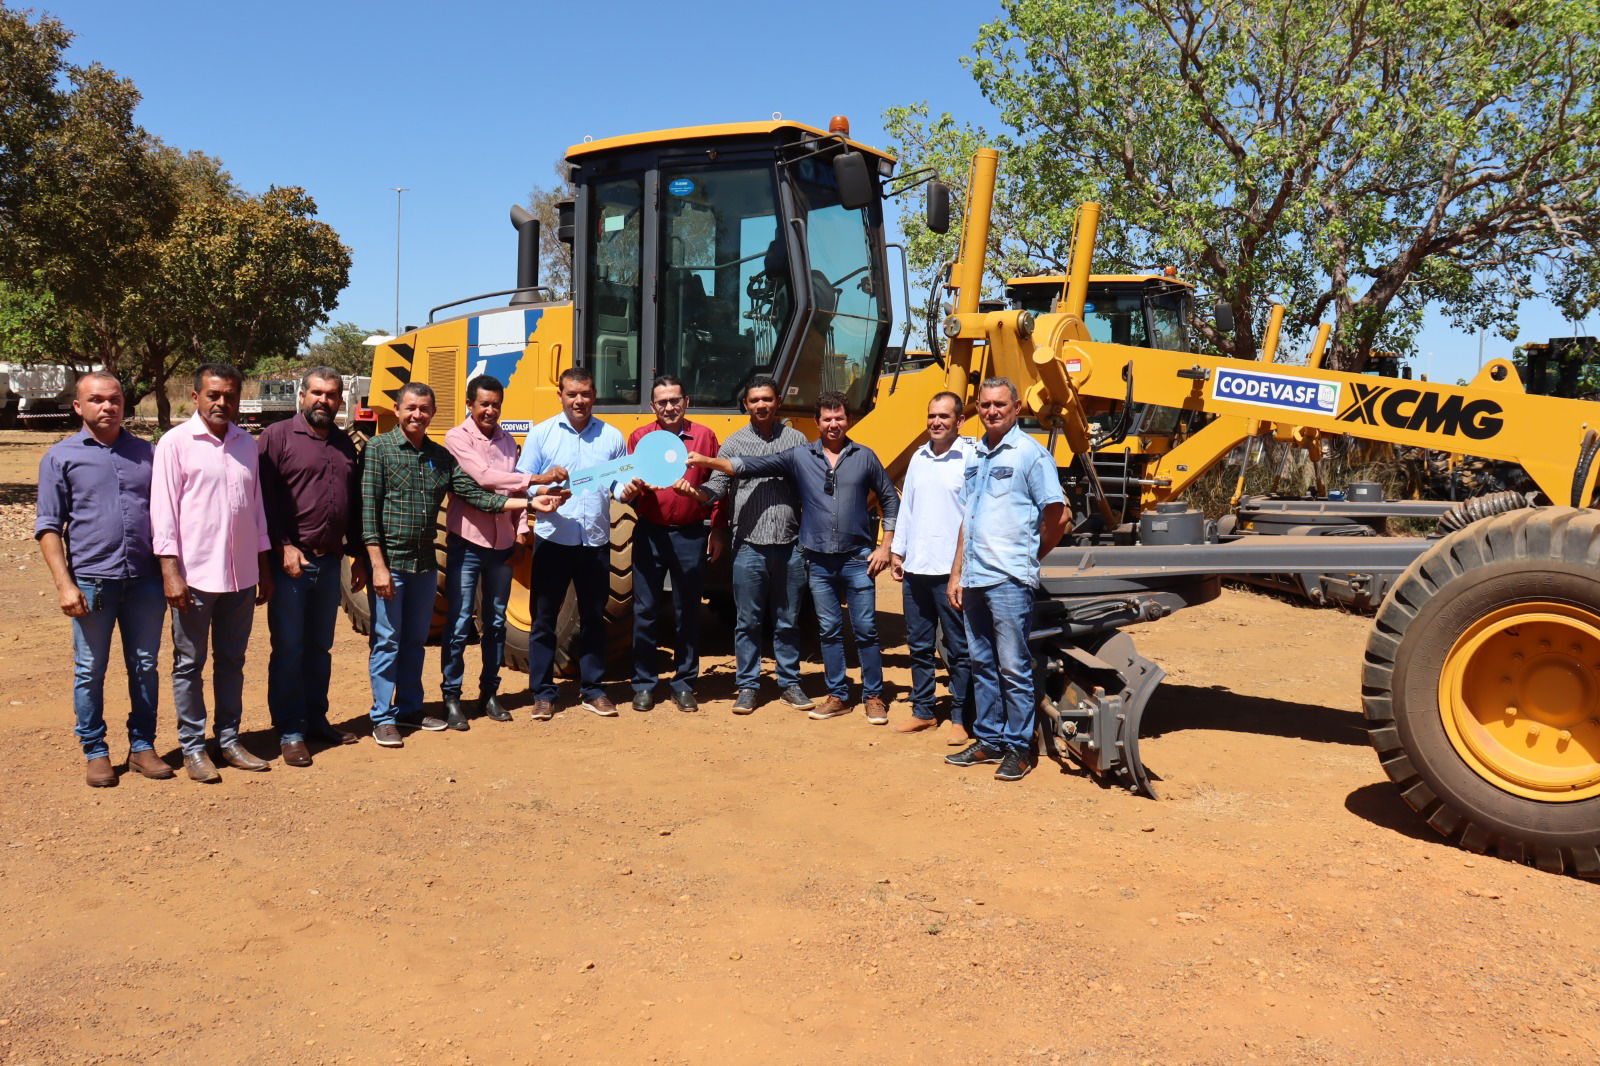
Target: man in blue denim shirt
column 833, row 476
column 1013, row 513
column 93, row 528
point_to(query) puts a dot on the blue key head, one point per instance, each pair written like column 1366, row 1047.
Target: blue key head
column 659, row 459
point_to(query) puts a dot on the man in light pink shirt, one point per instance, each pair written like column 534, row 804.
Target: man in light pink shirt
column 478, row 550
column 210, row 531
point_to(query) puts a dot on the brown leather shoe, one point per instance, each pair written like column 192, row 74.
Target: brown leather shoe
column 602, row 706
column 201, row 768
column 295, row 753
column 915, row 725
column 832, row 707
column 543, row 710
column 329, row 735
column 388, row 735
column 150, row 765
column 99, row 774
column 957, row 736
column 235, row 756
column 877, row 711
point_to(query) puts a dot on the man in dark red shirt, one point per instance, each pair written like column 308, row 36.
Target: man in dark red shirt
column 672, row 537
column 311, row 492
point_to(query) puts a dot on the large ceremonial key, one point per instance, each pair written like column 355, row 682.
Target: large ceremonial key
column 659, row 459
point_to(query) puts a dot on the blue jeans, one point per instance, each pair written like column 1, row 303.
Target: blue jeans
column 998, row 618
column 302, row 616
column 766, row 578
column 928, row 613
column 136, row 606
column 658, row 551
column 470, row 568
column 840, row 579
column 220, row 621
column 399, row 633
column 588, row 571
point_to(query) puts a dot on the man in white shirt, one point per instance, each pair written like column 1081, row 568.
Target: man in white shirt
column 921, row 556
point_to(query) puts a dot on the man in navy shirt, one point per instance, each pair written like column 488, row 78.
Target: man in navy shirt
column 834, row 476
column 93, row 527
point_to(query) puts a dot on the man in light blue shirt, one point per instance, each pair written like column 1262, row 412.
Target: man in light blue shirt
column 574, row 543
column 1013, row 513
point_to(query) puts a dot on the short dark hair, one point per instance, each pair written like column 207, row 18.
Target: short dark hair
column 832, row 400
column 664, row 381
column 225, row 371
column 579, row 374
column 482, row 382
column 1000, row 383
column 760, row 381
column 322, row 373
column 952, row 397
column 416, row 388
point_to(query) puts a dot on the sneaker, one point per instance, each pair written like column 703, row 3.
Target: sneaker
column 686, row 701
column 877, row 711
column 387, row 736
column 643, row 700
column 746, row 701
column 832, row 707
column 1014, row 767
column 602, row 706
column 543, row 710
column 972, row 755
column 427, row 722
column 796, row 697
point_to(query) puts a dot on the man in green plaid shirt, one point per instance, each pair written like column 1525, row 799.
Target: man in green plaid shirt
column 404, row 479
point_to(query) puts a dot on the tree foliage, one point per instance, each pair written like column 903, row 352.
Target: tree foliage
column 343, row 346
column 555, row 258
column 1360, row 161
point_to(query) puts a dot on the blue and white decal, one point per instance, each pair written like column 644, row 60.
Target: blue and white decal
column 496, row 341
column 680, row 186
column 1276, row 390
column 515, row 425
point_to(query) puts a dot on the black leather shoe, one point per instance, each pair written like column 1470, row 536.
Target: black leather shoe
column 1014, row 767
column 327, row 734
column 490, row 707
column 643, row 700
column 972, row 755
column 454, row 716
column 686, row 701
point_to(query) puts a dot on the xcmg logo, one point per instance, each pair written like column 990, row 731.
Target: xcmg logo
column 1454, row 415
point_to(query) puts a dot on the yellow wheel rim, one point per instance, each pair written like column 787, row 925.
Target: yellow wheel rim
column 1520, row 699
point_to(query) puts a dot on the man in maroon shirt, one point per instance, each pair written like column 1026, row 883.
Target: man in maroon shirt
column 311, row 492
column 672, row 537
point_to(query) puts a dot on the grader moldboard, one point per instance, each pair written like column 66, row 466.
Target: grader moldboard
column 717, row 253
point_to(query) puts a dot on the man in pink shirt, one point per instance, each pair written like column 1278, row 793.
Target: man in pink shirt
column 478, row 550
column 209, row 530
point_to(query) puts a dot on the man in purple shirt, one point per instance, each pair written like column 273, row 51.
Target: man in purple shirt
column 93, row 528
column 311, row 490
column 210, row 531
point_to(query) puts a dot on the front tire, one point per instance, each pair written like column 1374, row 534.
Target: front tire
column 1481, row 687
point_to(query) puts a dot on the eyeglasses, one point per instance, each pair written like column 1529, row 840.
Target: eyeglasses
column 828, row 482
column 671, row 401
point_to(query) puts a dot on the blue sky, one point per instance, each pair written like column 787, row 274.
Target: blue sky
column 469, row 105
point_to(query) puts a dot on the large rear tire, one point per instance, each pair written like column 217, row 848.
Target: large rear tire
column 1481, row 687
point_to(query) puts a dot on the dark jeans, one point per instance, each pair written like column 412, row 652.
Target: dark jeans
column 766, row 578
column 928, row 614
column 223, row 621
column 588, row 572
column 839, row 579
column 135, row 606
column 657, row 552
column 469, row 568
column 301, row 617
column 998, row 618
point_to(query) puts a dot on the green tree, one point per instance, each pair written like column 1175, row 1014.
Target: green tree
column 1360, row 161
column 343, row 346
column 555, row 258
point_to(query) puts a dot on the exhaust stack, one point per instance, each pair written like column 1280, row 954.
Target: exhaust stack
column 527, row 255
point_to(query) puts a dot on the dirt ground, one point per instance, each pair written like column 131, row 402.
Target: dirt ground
column 676, row 888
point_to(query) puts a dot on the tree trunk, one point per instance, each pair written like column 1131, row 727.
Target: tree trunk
column 163, row 402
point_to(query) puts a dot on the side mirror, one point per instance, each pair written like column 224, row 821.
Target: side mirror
column 564, row 222
column 856, row 187
column 938, row 214
column 1224, row 317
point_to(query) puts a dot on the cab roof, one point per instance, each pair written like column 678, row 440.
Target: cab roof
column 713, row 132
column 1059, row 280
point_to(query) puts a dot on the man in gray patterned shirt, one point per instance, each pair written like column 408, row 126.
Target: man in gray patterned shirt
column 768, row 571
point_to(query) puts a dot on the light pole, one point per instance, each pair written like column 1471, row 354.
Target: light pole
column 397, row 191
